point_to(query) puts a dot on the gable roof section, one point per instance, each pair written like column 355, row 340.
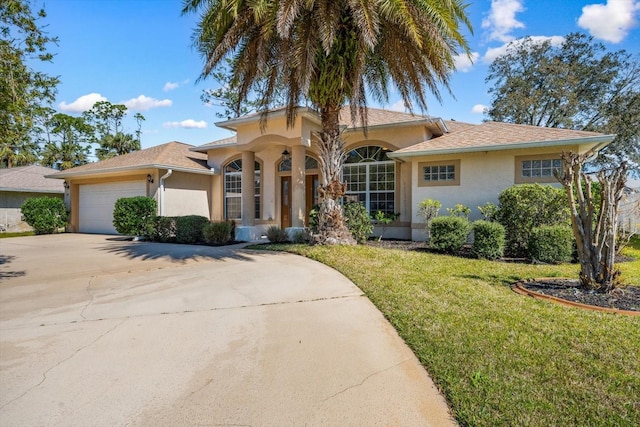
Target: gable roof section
column 226, row 142
column 493, row 136
column 29, row 179
column 376, row 118
column 172, row 155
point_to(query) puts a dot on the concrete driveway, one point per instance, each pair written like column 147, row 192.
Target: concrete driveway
column 98, row 331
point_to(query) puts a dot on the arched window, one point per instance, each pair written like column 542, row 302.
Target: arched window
column 371, row 178
column 233, row 190
column 309, row 164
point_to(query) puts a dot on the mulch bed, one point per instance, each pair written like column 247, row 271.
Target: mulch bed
column 622, row 298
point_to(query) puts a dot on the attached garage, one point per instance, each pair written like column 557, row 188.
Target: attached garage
column 96, row 202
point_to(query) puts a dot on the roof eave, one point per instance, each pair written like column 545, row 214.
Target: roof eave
column 65, row 174
column 600, row 141
column 281, row 112
column 205, row 148
column 31, row 190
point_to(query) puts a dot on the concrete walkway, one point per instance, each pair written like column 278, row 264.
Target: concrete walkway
column 99, row 331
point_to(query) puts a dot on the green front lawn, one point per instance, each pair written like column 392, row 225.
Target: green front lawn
column 498, row 357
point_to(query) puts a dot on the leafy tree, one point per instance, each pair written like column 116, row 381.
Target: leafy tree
column 107, row 118
column 66, row 142
column 575, row 85
column 23, row 90
column 594, row 220
column 333, row 53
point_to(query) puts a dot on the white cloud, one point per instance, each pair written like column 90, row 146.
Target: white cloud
column 398, row 106
column 170, row 86
column 82, row 104
column 144, row 103
column 479, row 109
column 464, row 62
column 502, row 19
column 611, row 21
column 494, row 52
column 186, row 124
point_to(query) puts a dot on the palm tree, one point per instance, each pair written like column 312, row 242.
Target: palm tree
column 117, row 145
column 332, row 52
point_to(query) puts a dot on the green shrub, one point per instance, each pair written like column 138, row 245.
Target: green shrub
column 135, row 216
column 45, row 214
column 313, row 218
column 449, row 233
column 460, row 210
column 428, row 209
column 218, row 232
column 358, row 221
column 165, row 230
column 551, row 244
column 301, row 237
column 524, row 207
column 489, row 211
column 276, row 234
column 189, row 228
column 488, row 239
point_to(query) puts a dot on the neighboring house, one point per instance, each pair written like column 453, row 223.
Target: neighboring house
column 630, row 207
column 400, row 160
column 19, row 184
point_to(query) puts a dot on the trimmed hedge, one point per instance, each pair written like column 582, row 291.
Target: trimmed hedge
column 165, row 231
column 135, row 216
column 551, row 244
column 526, row 206
column 45, row 214
column 189, row 228
column 449, row 233
column 218, row 232
column 489, row 239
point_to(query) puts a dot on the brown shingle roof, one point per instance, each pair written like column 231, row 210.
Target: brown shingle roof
column 216, row 144
column 380, row 117
column 495, row 136
column 174, row 155
column 30, row 179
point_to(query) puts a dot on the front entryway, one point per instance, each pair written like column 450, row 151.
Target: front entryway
column 311, row 198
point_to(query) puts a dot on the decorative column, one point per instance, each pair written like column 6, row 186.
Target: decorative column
column 298, row 199
column 248, row 189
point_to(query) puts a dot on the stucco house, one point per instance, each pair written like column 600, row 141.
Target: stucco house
column 268, row 173
column 17, row 185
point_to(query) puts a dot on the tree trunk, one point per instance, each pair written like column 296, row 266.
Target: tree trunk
column 595, row 228
column 332, row 227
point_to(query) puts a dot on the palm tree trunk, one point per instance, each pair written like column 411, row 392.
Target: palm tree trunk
column 332, row 227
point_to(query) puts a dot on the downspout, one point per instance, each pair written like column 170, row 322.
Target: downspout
column 161, row 195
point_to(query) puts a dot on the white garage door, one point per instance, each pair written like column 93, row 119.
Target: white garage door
column 97, row 202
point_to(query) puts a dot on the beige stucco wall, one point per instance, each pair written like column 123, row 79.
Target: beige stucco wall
column 483, row 176
column 186, row 194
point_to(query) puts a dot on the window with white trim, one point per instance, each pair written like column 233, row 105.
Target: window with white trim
column 371, row 178
column 233, row 190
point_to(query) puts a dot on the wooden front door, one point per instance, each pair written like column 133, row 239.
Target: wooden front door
column 285, row 202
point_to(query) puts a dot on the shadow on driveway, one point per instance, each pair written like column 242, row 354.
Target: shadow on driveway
column 175, row 252
column 6, row 259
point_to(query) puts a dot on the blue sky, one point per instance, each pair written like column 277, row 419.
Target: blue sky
column 138, row 52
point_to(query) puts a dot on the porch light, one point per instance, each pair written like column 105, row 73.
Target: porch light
column 285, row 155
column 66, row 185
column 149, row 179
